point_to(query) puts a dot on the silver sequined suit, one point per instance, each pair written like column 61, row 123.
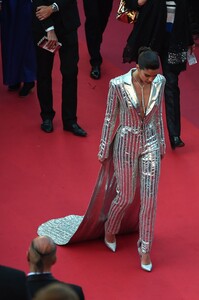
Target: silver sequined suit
column 138, row 144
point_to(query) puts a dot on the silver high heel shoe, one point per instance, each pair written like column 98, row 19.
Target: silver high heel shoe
column 144, row 267
column 111, row 246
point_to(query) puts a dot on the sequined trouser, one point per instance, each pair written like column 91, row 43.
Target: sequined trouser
column 130, row 165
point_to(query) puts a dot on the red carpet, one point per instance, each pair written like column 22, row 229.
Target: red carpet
column 47, row 176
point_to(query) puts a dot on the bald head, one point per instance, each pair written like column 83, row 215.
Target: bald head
column 43, row 245
column 42, row 254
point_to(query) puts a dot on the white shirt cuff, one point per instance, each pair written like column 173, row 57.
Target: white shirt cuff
column 50, row 28
column 56, row 6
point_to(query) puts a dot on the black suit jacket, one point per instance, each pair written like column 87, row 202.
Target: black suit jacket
column 150, row 29
column 66, row 19
column 36, row 282
column 13, row 284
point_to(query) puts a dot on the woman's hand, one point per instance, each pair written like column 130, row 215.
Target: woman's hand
column 101, row 160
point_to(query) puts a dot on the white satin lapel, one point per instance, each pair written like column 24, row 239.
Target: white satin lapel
column 132, row 97
column 153, row 98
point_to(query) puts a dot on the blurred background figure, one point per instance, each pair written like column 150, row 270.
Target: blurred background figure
column 18, row 52
column 165, row 27
column 41, row 257
column 194, row 16
column 56, row 291
column 13, row 284
column 97, row 14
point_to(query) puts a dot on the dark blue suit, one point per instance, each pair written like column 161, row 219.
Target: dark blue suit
column 18, row 51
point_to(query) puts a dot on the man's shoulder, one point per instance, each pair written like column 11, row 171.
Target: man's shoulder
column 8, row 271
column 12, row 284
column 124, row 78
column 160, row 78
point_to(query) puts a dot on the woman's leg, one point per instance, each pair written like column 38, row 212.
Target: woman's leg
column 126, row 169
column 149, row 165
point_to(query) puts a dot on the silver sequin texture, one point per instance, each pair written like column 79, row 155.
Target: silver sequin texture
column 62, row 229
column 138, row 145
column 144, row 138
column 177, row 58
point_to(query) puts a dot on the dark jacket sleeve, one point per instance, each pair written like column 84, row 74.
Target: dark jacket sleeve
column 132, row 4
column 13, row 284
column 47, row 22
column 62, row 4
column 68, row 14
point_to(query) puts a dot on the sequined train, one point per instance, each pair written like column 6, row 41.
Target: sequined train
column 131, row 155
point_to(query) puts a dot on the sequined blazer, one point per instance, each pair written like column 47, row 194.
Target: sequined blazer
column 144, row 133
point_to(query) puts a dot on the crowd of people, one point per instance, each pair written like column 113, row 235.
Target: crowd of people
column 161, row 37
column 23, row 25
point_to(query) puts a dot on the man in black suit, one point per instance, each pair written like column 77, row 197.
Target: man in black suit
column 41, row 257
column 97, row 13
column 13, row 284
column 59, row 21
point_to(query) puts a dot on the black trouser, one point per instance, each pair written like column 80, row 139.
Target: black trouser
column 172, row 97
column 69, row 57
column 97, row 13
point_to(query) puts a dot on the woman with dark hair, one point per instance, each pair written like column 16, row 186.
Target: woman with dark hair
column 164, row 26
column 138, row 145
column 132, row 150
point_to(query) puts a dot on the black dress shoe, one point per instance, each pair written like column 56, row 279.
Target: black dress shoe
column 26, row 89
column 47, row 126
column 14, row 87
column 95, row 72
column 176, row 142
column 76, row 130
